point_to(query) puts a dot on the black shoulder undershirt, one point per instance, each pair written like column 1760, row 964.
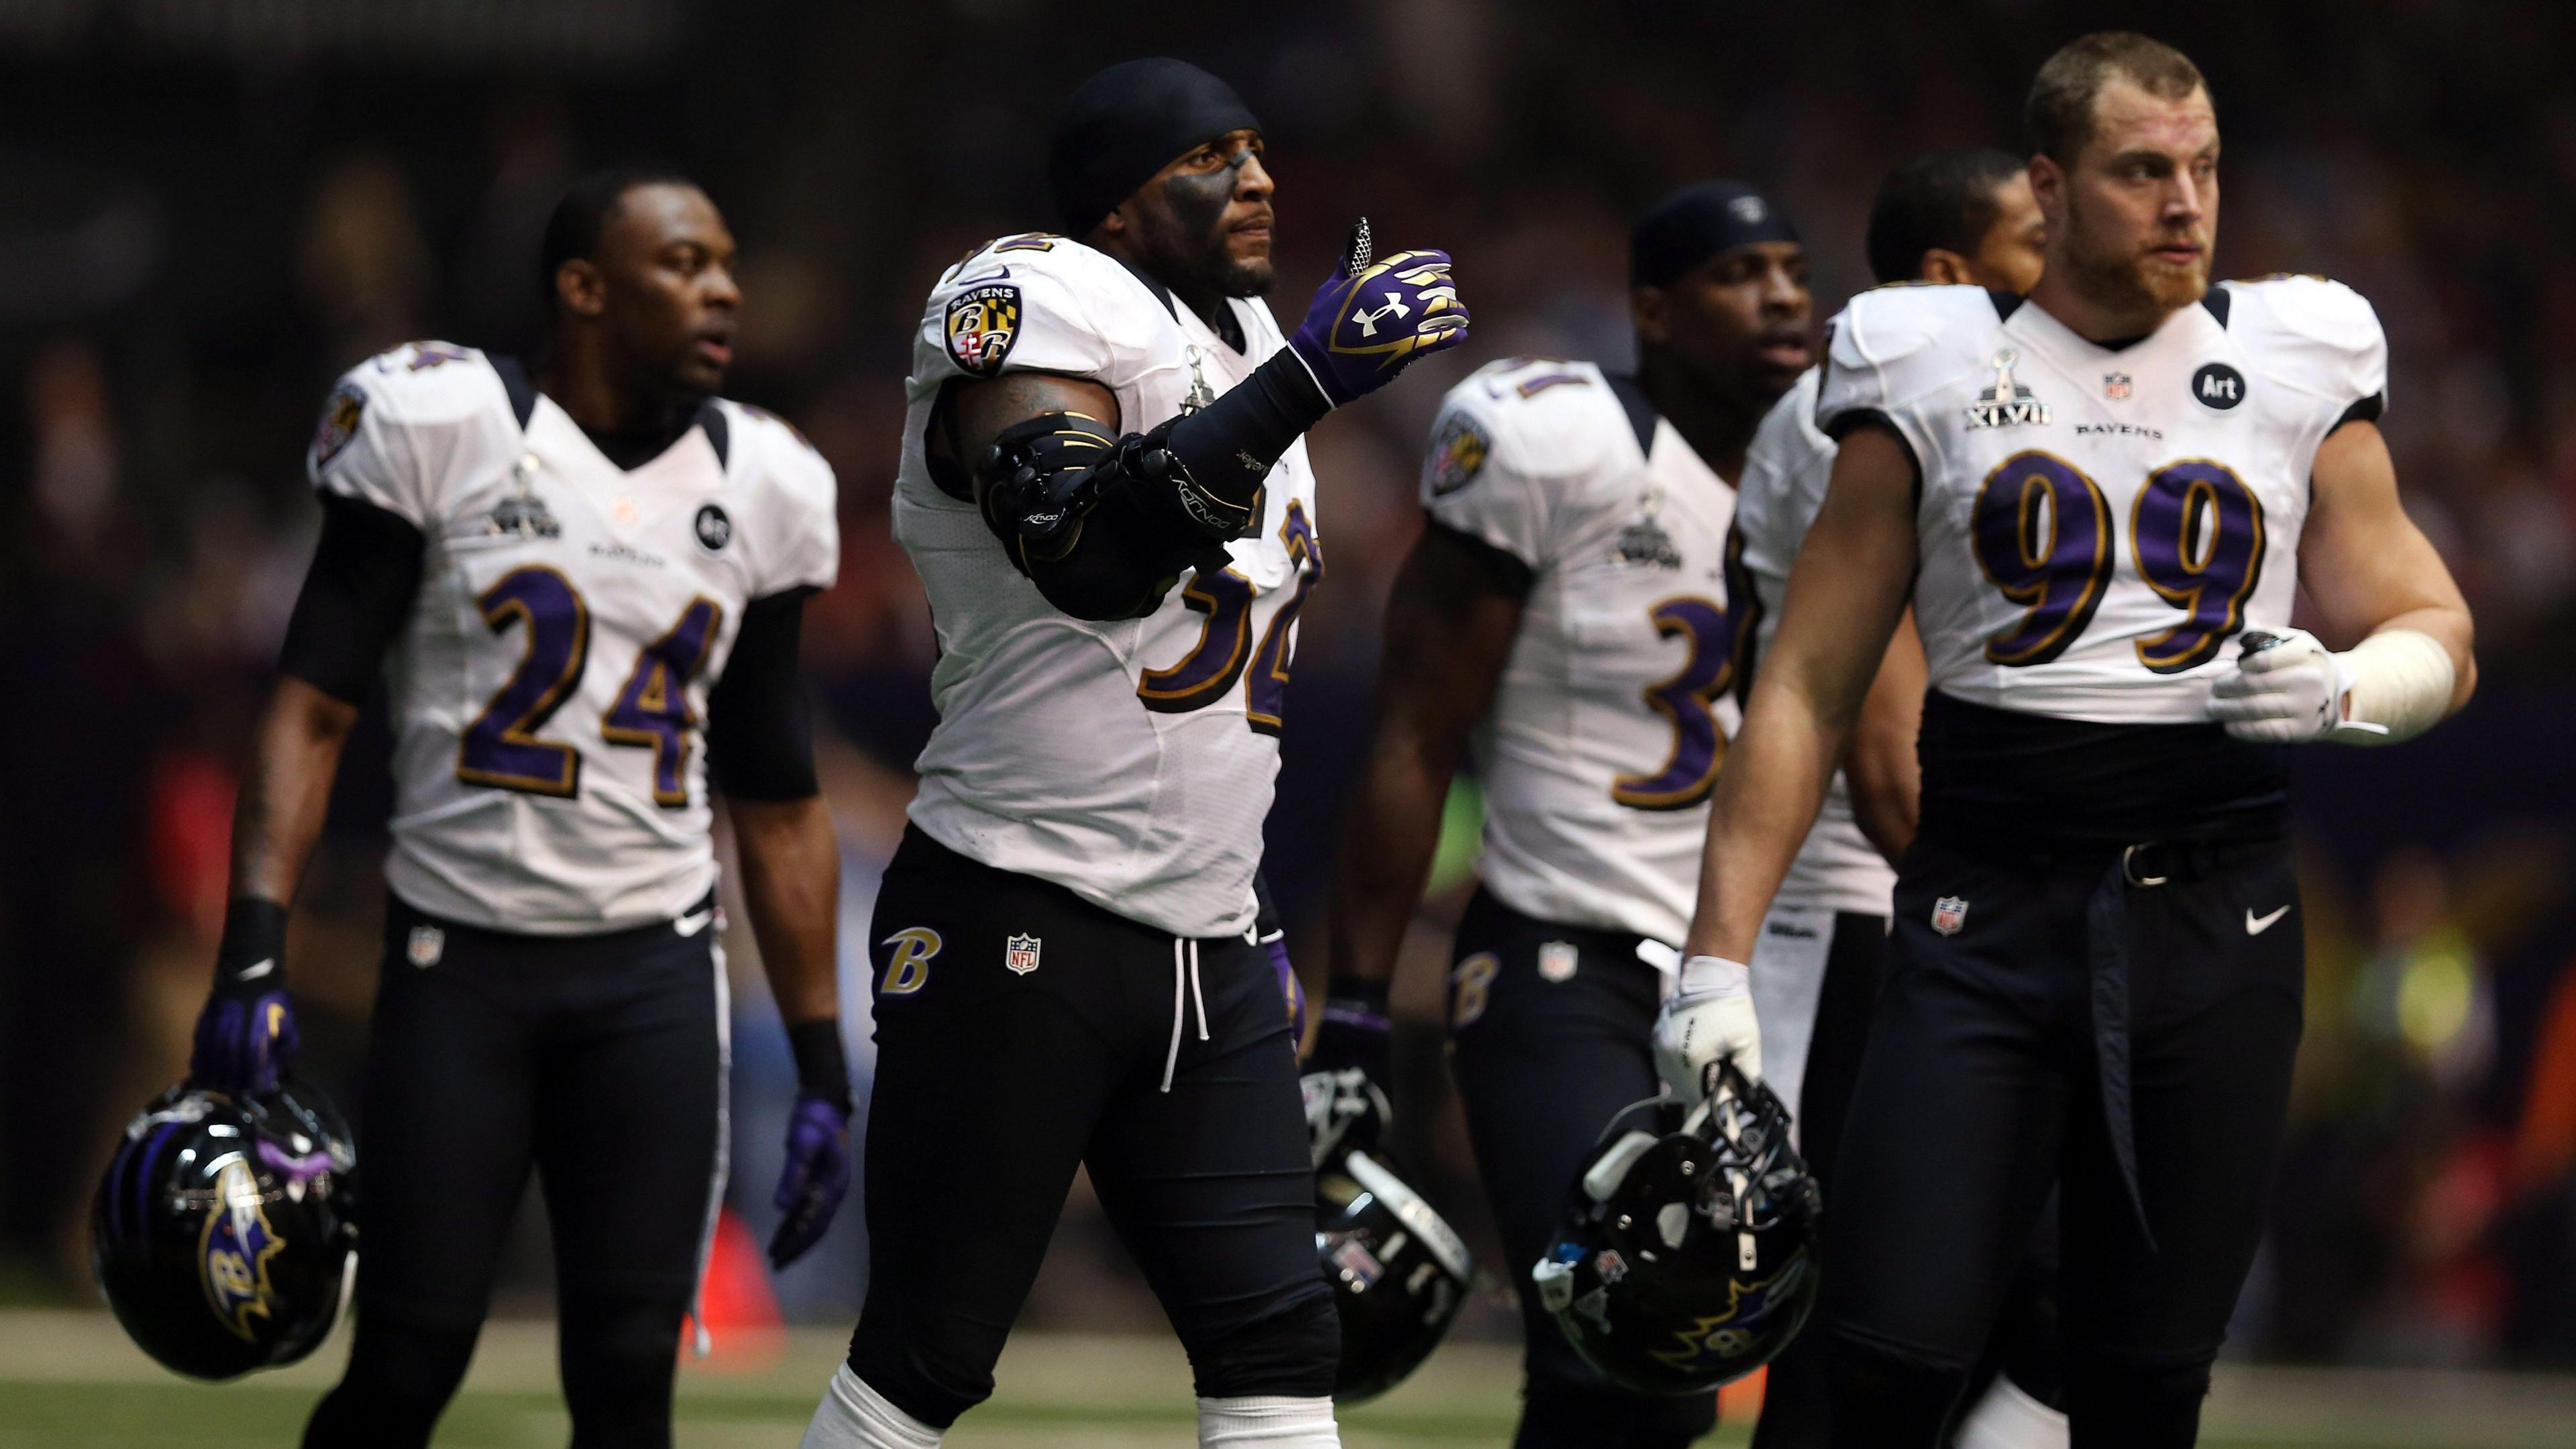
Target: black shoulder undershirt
column 760, row 733
column 356, row 596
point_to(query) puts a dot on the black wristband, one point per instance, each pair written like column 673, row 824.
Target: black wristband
column 1359, row 991
column 822, row 1064
column 254, row 936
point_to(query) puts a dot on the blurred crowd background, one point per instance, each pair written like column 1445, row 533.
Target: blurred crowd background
column 208, row 208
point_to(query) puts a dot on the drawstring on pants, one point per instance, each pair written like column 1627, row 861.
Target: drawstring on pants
column 1185, row 976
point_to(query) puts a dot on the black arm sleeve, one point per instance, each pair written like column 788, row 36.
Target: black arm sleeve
column 1122, row 517
column 356, row 597
column 760, row 735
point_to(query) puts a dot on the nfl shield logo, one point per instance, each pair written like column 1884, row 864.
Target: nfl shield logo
column 2115, row 386
column 1949, row 913
column 427, row 944
column 1556, row 961
column 1021, row 955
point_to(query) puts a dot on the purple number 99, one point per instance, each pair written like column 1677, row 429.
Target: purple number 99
column 2043, row 534
column 2198, row 533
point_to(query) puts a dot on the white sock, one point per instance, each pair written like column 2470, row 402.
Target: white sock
column 854, row 1416
column 2009, row 1418
column 1267, row 1423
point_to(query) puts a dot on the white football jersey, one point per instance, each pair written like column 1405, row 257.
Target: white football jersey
column 1615, row 706
column 1131, row 761
column 2098, row 524
column 1785, row 473
column 550, row 690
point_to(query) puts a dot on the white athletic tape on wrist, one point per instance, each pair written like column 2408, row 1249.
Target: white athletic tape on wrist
column 1715, row 976
column 2401, row 681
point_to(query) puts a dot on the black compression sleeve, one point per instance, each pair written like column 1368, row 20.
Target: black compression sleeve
column 356, row 597
column 1230, row 445
column 760, row 735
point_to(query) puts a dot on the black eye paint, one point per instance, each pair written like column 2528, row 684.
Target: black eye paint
column 1199, row 202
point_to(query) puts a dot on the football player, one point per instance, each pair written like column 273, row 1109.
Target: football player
column 1962, row 216
column 2102, row 501
column 587, row 578
column 1569, row 590
column 1067, row 972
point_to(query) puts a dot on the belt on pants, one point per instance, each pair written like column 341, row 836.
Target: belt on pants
column 2144, row 866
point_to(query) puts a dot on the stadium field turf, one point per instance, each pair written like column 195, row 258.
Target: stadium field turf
column 69, row 1381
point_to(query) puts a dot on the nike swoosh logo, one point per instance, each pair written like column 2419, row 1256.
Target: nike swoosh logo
column 253, row 973
column 2256, row 925
column 690, row 925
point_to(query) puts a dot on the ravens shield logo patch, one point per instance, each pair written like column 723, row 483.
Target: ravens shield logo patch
column 983, row 321
column 340, row 414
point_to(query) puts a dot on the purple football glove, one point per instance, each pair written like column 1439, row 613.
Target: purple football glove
column 1371, row 318
column 242, row 1040
column 1290, row 988
column 816, row 1179
column 247, row 1029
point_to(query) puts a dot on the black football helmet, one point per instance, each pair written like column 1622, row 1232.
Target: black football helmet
column 1689, row 1254
column 1399, row 1274
column 223, row 1234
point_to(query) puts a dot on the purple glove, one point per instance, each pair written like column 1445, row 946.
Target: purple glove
column 816, row 1179
column 1371, row 318
column 1290, row 988
column 242, row 1041
column 247, row 1029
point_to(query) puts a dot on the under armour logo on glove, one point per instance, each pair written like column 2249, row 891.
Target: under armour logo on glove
column 1372, row 318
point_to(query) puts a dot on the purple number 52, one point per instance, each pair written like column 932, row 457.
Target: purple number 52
column 2042, row 533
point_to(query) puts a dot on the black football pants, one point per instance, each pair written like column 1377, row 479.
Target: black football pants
column 600, row 1062
column 1551, row 1032
column 1021, row 1031
column 2121, row 1024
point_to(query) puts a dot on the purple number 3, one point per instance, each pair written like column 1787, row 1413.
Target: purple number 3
column 1698, row 746
column 501, row 747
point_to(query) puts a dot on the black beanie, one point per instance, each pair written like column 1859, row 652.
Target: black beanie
column 1696, row 223
column 1126, row 123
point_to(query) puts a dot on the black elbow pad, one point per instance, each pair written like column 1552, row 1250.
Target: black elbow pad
column 1040, row 479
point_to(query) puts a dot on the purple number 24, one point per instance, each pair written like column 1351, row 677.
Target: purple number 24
column 502, row 748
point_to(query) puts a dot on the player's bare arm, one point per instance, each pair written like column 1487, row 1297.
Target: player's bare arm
column 1845, row 597
column 287, row 791
column 1885, row 774
column 1450, row 623
column 2375, row 578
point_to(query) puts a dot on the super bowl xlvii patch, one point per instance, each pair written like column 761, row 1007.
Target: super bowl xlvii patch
column 426, row 945
column 1020, row 954
column 340, row 414
column 2008, row 403
column 1949, row 913
column 1457, row 456
column 1557, row 960
column 983, row 322
column 1644, row 543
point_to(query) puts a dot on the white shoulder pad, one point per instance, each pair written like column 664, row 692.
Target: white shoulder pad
column 1510, row 442
column 795, row 501
column 1892, row 346
column 392, row 424
column 2314, row 335
column 1032, row 303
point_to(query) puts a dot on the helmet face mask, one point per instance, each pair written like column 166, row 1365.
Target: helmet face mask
column 1399, row 1273
column 1689, row 1252
column 222, row 1233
